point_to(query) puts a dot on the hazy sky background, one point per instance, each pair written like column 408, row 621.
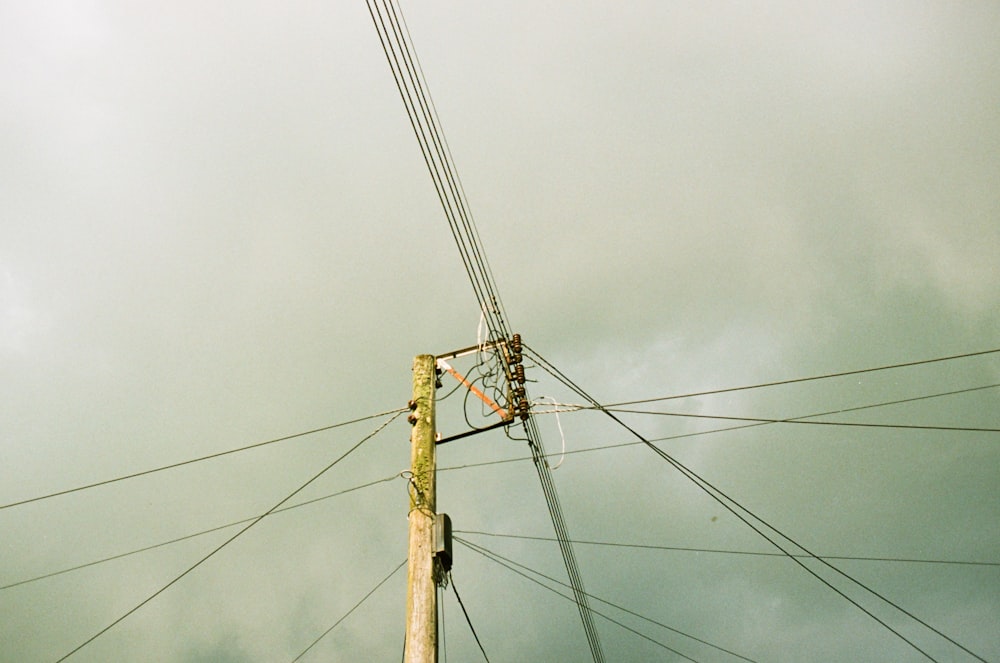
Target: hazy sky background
column 217, row 229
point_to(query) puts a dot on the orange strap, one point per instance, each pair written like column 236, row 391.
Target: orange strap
column 471, row 387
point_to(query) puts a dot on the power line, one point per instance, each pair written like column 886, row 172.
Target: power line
column 641, row 546
column 348, row 613
column 856, row 424
column 408, row 75
column 808, row 379
column 198, row 460
column 233, row 537
column 731, row 505
column 483, row 549
column 467, row 619
column 541, row 464
column 196, row 534
column 495, row 559
column 575, row 407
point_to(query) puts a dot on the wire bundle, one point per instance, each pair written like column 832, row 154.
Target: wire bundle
column 399, row 52
column 409, row 77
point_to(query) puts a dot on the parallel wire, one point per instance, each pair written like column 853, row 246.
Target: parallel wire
column 731, row 505
column 761, row 420
column 232, row 538
column 196, row 534
column 408, row 75
column 498, row 556
column 488, row 555
column 801, row 419
column 348, row 613
column 198, row 460
column 643, row 546
column 403, row 63
column 468, row 620
column 620, row 445
column 825, row 376
column 562, row 534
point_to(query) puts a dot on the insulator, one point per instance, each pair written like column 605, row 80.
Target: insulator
column 516, row 359
column 515, row 344
column 519, row 373
column 519, row 393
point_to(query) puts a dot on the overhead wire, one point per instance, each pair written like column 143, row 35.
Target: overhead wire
column 756, row 553
column 196, row 534
column 824, row 376
column 562, row 534
column 498, row 556
column 571, row 598
column 348, row 613
column 737, row 509
column 468, row 620
column 191, row 461
column 404, row 65
column 408, row 75
column 232, row 538
column 854, row 424
column 563, row 407
column 576, row 408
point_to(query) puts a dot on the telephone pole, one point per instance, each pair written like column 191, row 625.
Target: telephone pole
column 421, row 599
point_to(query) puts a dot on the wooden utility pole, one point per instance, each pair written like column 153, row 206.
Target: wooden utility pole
column 421, row 598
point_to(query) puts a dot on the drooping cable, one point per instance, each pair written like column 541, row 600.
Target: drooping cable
column 762, row 420
column 400, row 55
column 408, row 75
column 706, row 432
column 348, row 613
column 539, row 458
column 499, row 557
column 198, row 460
column 738, row 510
column 803, row 418
column 468, row 620
column 755, row 553
column 826, row 376
column 488, row 555
column 203, row 532
column 233, row 537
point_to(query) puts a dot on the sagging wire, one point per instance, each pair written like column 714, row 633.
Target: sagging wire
column 738, row 510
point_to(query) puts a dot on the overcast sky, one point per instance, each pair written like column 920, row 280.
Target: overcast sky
column 217, row 229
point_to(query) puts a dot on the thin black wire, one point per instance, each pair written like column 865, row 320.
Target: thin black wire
column 761, row 420
column 709, row 432
column 488, row 273
column 726, row 501
column 198, row 460
column 562, row 534
column 900, row 401
column 615, row 544
column 196, row 534
column 348, row 613
column 612, row 604
column 444, row 155
column 468, row 620
column 482, row 551
column 390, row 50
column 233, row 537
column 444, row 628
column 407, row 74
column 426, row 126
column 808, row 379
